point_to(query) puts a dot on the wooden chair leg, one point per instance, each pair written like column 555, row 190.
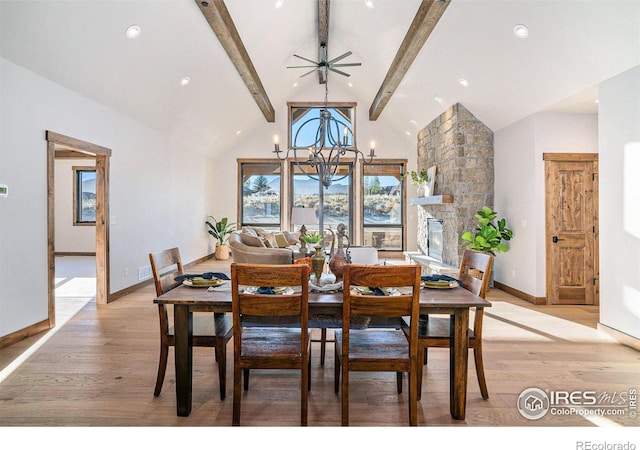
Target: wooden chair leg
column 221, row 357
column 304, row 394
column 237, row 394
column 426, row 355
column 162, row 368
column 336, row 372
column 246, row 379
column 413, row 398
column 477, row 356
column 419, row 370
column 399, row 382
column 323, row 345
column 345, row 397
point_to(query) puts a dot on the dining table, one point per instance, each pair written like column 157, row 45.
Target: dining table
column 455, row 302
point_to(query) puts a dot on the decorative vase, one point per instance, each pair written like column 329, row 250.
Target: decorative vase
column 317, row 263
column 422, row 190
column 222, row 251
column 339, row 259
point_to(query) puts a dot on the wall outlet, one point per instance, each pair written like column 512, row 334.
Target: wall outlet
column 144, row 273
column 513, row 273
column 126, row 271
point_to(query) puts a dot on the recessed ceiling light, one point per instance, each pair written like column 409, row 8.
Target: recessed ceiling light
column 279, row 3
column 521, row 31
column 350, row 84
column 413, row 122
column 295, row 84
column 369, row 3
column 597, row 101
column 185, row 81
column 133, row 32
column 408, row 133
column 238, row 132
column 437, row 99
column 463, row 82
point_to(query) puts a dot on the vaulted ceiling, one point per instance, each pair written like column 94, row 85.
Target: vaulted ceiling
column 572, row 46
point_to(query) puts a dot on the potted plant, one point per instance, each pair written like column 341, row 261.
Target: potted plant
column 220, row 230
column 489, row 236
column 311, row 238
column 420, row 179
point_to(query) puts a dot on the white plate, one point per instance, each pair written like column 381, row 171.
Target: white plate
column 203, row 282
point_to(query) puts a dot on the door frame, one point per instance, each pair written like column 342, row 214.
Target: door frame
column 61, row 145
column 577, row 157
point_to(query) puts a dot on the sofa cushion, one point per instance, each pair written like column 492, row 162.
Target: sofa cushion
column 292, row 238
column 269, row 240
column 251, row 241
column 250, row 231
column 281, row 240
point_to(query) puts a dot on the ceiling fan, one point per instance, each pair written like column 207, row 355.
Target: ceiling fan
column 323, row 66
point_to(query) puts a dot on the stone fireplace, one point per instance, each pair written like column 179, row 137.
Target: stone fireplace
column 461, row 148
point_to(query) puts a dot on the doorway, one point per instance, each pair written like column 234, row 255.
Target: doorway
column 64, row 146
column 571, row 223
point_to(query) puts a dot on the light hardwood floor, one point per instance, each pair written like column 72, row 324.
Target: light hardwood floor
column 98, row 370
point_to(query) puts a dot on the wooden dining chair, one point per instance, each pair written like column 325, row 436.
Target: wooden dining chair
column 287, row 344
column 209, row 330
column 433, row 331
column 377, row 349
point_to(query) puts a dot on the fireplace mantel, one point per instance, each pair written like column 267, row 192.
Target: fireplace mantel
column 432, row 200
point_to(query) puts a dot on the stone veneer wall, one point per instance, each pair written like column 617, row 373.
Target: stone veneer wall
column 461, row 148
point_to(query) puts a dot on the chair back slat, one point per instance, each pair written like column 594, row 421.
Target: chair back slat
column 381, row 306
column 165, row 266
column 475, row 272
column 258, row 305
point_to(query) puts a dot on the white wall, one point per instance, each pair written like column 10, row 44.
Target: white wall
column 259, row 144
column 619, row 121
column 70, row 238
column 520, row 188
column 160, row 192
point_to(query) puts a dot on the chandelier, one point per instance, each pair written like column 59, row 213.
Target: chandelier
column 321, row 160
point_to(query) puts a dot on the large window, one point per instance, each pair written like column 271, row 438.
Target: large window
column 260, row 189
column 337, row 198
column 383, row 202
column 84, row 195
column 304, row 121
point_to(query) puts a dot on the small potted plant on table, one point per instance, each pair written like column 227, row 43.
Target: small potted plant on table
column 318, row 259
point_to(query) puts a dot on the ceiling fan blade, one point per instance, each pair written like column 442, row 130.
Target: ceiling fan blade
column 346, row 65
column 306, row 59
column 344, row 55
column 339, row 71
column 299, row 67
column 309, row 72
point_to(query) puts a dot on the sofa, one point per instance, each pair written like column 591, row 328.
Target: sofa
column 256, row 245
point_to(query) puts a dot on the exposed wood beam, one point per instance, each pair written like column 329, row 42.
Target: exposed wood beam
column 323, row 35
column 220, row 21
column 424, row 22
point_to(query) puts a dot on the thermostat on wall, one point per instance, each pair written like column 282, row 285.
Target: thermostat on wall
column 4, row 190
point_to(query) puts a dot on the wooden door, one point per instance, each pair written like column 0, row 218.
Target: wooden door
column 571, row 228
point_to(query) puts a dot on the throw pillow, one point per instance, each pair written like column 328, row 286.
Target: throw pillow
column 292, row 238
column 250, row 231
column 281, row 240
column 251, row 241
column 270, row 240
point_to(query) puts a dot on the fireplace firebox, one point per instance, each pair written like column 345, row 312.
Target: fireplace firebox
column 435, row 239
